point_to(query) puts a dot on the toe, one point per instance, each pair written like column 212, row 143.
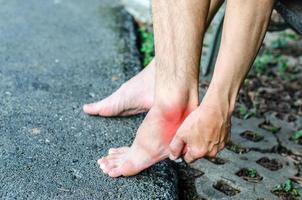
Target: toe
column 110, row 165
column 104, row 107
column 93, row 108
column 115, row 172
column 102, row 162
column 117, row 150
column 106, row 164
column 125, row 168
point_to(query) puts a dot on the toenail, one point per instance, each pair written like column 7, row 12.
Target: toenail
column 102, row 166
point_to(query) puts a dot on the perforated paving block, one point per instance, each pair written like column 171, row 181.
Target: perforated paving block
column 285, row 134
column 241, row 171
column 248, row 134
column 226, row 178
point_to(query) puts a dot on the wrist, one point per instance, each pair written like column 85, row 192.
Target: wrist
column 222, row 98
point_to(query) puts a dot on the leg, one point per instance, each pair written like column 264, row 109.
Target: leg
column 179, row 27
column 244, row 29
column 136, row 95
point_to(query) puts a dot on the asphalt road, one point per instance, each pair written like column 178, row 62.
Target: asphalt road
column 56, row 55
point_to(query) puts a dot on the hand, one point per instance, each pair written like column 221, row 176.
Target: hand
column 203, row 133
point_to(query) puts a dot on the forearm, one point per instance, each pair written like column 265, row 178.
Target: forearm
column 244, row 29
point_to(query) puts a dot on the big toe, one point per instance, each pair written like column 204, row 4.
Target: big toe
column 98, row 108
column 92, row 108
column 106, row 164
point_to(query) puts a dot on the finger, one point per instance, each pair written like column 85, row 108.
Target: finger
column 194, row 153
column 189, row 157
column 213, row 152
column 228, row 138
column 185, row 149
column 176, row 147
column 221, row 146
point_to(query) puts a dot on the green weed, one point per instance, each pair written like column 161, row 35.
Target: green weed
column 147, row 45
column 246, row 113
column 262, row 61
column 287, row 187
column 297, row 135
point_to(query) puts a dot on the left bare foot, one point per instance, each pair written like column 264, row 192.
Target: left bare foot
column 151, row 144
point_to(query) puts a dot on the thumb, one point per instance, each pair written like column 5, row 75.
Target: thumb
column 176, row 147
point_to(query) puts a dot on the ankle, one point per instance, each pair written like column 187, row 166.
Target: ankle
column 177, row 104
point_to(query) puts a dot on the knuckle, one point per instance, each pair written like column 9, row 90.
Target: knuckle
column 213, row 154
column 227, row 138
column 194, row 153
column 194, row 156
column 203, row 151
column 221, row 146
column 173, row 149
column 189, row 158
column 198, row 153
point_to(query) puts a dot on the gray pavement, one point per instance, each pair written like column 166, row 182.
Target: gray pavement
column 56, row 55
column 230, row 163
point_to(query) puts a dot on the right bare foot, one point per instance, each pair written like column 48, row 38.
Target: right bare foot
column 152, row 140
column 133, row 97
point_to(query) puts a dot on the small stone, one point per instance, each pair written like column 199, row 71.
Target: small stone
column 179, row 160
column 91, row 94
column 35, row 131
column 115, row 78
column 76, row 174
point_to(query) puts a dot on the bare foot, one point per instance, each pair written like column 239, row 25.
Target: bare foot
column 133, row 97
column 151, row 144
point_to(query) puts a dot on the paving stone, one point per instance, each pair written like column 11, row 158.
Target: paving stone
column 223, row 169
column 266, row 139
column 285, row 134
column 214, row 173
column 56, row 55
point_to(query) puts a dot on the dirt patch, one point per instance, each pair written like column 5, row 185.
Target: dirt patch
column 225, row 188
column 284, row 195
column 217, row 160
column 250, row 175
column 267, row 125
column 274, row 82
column 271, row 164
column 252, row 136
column 236, row 148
